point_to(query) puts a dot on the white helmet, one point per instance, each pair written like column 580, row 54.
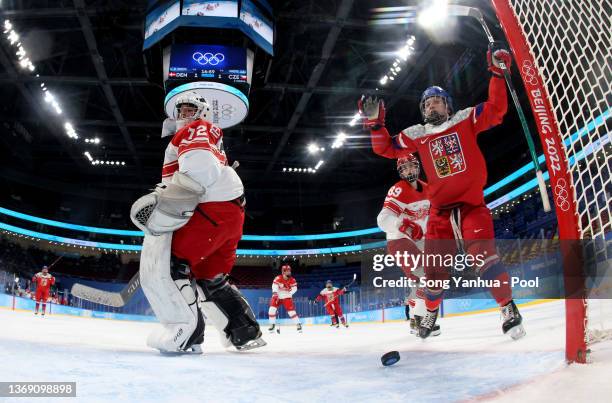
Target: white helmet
column 196, row 101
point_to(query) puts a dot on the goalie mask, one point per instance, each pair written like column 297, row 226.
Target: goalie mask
column 432, row 110
column 408, row 167
column 190, row 108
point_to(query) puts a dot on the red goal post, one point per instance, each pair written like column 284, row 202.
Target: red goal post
column 561, row 49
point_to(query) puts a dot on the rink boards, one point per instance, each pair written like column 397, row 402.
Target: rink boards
column 450, row 307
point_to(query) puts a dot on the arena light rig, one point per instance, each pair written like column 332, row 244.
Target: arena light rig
column 25, row 63
column 313, row 148
column 339, row 141
column 402, row 56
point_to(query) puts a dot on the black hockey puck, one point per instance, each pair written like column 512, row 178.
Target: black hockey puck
column 390, row 358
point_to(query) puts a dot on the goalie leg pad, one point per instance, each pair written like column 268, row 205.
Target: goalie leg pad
column 231, row 314
column 172, row 298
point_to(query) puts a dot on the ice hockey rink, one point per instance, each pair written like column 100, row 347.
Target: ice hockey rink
column 470, row 361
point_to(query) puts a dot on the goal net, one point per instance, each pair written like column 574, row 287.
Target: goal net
column 562, row 50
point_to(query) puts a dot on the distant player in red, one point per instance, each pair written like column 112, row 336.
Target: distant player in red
column 456, row 174
column 331, row 296
column 283, row 288
column 43, row 281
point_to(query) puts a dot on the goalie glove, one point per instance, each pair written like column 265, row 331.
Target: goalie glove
column 495, row 58
column 168, row 207
column 412, row 229
column 373, row 110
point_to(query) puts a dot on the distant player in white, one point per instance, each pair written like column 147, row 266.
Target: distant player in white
column 404, row 219
column 283, row 288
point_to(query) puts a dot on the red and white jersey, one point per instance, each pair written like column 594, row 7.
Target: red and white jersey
column 403, row 201
column 453, row 163
column 197, row 151
column 285, row 288
column 43, row 281
column 328, row 295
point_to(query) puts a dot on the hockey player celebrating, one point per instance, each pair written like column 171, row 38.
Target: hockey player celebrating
column 456, row 175
column 331, row 296
column 283, row 288
column 43, row 281
column 404, row 219
column 196, row 215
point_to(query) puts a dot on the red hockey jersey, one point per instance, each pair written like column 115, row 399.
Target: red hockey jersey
column 43, row 281
column 454, row 165
column 330, row 295
column 284, row 288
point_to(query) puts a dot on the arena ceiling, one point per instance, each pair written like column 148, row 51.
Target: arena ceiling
column 89, row 53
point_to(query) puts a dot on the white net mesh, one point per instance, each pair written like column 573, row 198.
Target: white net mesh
column 570, row 41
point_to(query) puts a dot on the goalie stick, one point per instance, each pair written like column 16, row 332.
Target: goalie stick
column 465, row 11
column 108, row 298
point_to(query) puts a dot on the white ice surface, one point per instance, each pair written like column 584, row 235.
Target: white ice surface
column 471, row 360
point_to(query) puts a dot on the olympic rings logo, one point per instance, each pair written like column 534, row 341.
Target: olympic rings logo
column 529, row 73
column 208, row 58
column 227, row 111
column 561, row 195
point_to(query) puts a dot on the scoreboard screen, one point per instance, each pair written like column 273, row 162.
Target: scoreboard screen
column 210, row 8
column 159, row 18
column 251, row 15
column 225, row 64
column 254, row 18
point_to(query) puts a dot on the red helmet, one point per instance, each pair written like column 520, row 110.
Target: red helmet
column 285, row 269
column 408, row 167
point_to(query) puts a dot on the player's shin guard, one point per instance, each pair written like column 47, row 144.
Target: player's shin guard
column 231, row 314
column 272, row 315
column 294, row 317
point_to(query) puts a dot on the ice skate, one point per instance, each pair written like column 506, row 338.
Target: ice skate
column 512, row 321
column 428, row 324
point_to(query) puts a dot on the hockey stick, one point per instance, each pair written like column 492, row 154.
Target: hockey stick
column 473, row 12
column 56, row 260
column 108, row 298
column 352, row 281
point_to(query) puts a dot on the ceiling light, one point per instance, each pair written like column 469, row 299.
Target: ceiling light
column 434, row 15
column 313, row 148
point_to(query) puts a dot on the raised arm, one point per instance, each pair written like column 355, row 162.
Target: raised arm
column 491, row 113
column 373, row 111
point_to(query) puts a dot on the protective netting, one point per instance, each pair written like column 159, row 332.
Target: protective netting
column 570, row 41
